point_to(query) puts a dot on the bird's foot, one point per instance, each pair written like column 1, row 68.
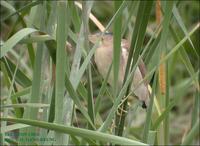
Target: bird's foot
column 120, row 111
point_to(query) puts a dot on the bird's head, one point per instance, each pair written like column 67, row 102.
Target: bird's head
column 105, row 39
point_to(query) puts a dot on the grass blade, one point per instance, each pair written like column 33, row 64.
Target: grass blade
column 87, row 6
column 182, row 26
column 191, row 135
column 61, row 33
column 11, row 42
column 76, row 131
column 117, row 47
column 149, row 111
column 135, row 50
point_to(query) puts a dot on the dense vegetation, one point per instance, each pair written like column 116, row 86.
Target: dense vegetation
column 52, row 92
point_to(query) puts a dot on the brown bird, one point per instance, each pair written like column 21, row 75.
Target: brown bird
column 103, row 58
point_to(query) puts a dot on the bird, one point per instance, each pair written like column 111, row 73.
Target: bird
column 103, row 58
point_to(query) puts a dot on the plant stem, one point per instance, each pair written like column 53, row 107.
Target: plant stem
column 166, row 121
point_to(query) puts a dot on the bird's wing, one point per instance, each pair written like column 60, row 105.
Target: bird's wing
column 126, row 45
column 143, row 69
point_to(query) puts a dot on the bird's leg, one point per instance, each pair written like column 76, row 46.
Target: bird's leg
column 120, row 110
column 112, row 126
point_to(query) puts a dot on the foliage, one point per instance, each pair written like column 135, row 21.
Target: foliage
column 52, row 93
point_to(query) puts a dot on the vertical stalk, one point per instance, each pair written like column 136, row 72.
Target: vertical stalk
column 117, row 47
column 149, row 111
column 195, row 111
column 87, row 5
column 60, row 68
column 163, row 81
column 135, row 50
column 32, row 113
column 166, row 121
column 116, row 56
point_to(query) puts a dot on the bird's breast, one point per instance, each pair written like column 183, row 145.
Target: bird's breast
column 103, row 59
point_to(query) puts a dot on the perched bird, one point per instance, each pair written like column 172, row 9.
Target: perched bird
column 103, row 58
